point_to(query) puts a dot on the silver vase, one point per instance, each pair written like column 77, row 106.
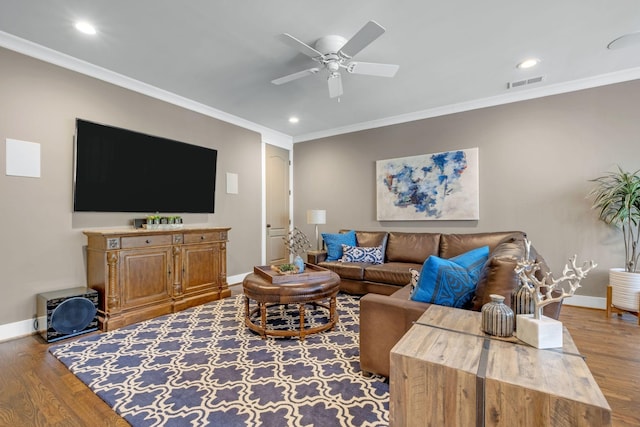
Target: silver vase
column 522, row 301
column 497, row 317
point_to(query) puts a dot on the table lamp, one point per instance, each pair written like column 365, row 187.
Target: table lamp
column 317, row 216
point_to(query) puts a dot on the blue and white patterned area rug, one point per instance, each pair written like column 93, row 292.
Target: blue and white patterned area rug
column 203, row 367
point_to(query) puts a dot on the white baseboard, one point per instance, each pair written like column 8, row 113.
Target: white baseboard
column 16, row 330
column 25, row 327
column 586, row 301
column 237, row 279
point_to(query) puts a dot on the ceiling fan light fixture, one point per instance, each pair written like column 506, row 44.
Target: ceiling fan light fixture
column 85, row 27
column 528, row 63
column 335, row 52
column 333, row 66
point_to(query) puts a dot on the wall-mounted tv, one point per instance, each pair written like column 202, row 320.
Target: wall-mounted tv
column 118, row 170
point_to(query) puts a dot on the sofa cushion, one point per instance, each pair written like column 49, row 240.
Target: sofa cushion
column 394, row 273
column 350, row 270
column 361, row 254
column 334, row 243
column 498, row 275
column 372, row 238
column 412, row 247
column 455, row 244
column 404, row 293
column 450, row 282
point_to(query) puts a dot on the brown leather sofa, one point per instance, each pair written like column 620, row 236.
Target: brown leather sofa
column 387, row 312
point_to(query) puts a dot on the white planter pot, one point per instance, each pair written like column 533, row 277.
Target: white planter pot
column 625, row 289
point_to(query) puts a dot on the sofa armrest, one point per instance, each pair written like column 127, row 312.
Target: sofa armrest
column 316, row 257
column 383, row 321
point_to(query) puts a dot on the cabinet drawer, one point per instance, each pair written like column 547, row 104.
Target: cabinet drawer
column 142, row 241
column 203, row 237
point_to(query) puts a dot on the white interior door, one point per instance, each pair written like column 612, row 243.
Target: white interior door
column 277, row 203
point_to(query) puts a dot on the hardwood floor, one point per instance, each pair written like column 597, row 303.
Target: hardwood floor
column 37, row 390
column 612, row 350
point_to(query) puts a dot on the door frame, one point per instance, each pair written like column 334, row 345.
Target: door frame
column 289, row 147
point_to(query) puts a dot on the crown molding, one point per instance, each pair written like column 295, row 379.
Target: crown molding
column 274, row 137
column 507, row 98
column 63, row 60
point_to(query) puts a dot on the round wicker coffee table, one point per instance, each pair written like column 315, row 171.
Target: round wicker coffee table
column 266, row 294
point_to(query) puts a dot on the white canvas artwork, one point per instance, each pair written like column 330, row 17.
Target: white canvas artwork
column 438, row 186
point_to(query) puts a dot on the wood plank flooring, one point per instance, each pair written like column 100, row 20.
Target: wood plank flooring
column 612, row 350
column 37, row 390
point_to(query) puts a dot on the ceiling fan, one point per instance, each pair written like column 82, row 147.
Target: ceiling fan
column 335, row 52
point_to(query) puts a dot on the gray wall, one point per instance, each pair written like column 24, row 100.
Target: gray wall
column 42, row 245
column 536, row 158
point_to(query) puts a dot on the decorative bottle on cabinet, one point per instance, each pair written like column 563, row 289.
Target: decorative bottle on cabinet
column 497, row 317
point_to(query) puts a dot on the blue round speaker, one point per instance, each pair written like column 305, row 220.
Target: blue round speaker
column 73, row 315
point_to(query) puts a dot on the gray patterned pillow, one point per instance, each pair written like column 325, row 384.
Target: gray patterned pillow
column 415, row 278
column 361, row 254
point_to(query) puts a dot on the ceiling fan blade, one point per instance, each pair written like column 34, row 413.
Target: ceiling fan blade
column 293, row 42
column 371, row 31
column 373, row 69
column 335, row 85
column 294, row 76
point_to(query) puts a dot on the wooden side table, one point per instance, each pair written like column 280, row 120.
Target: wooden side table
column 446, row 371
column 314, row 257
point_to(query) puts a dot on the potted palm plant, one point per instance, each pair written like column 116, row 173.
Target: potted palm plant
column 617, row 199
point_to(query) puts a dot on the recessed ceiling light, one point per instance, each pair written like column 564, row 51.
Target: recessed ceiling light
column 528, row 63
column 293, row 119
column 85, row 27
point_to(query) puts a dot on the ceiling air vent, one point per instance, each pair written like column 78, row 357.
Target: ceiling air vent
column 525, row 82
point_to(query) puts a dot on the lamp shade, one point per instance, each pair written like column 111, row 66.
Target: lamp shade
column 316, row 216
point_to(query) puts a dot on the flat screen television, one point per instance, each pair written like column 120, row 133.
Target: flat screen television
column 118, row 170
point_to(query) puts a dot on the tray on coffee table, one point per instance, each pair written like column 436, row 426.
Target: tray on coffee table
column 311, row 272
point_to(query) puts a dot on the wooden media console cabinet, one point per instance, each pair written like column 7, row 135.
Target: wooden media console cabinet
column 140, row 274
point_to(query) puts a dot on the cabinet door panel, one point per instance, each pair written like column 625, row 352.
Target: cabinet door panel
column 145, row 276
column 201, row 268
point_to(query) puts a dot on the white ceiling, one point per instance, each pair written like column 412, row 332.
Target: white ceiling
column 453, row 55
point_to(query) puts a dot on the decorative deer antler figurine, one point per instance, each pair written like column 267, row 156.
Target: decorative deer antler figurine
column 542, row 290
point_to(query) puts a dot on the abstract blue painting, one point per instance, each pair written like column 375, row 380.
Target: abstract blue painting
column 439, row 186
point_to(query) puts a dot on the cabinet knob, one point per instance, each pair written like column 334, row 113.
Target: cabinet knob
column 147, row 241
column 201, row 237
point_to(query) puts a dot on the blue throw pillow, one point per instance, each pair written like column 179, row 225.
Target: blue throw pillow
column 334, row 243
column 473, row 261
column 450, row 282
